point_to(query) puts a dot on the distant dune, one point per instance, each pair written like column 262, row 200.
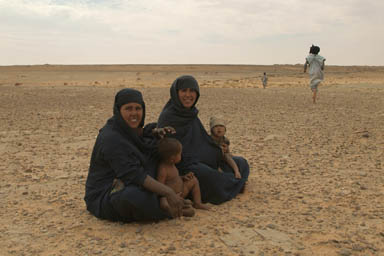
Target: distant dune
column 223, row 76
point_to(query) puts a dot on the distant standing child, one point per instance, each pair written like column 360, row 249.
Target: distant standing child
column 170, row 154
column 316, row 68
column 218, row 130
column 264, row 79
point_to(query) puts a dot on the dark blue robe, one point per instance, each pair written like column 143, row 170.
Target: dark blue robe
column 119, row 153
column 201, row 154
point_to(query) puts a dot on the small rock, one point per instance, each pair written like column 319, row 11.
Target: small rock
column 345, row 252
column 357, row 247
column 171, row 248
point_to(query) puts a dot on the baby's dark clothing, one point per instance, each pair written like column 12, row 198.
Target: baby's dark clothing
column 220, row 141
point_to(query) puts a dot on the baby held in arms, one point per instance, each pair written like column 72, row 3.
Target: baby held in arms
column 218, row 130
column 170, row 154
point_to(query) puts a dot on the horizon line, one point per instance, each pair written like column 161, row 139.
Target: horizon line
column 211, row 64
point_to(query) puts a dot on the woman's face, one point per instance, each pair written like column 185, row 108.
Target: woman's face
column 132, row 114
column 187, row 97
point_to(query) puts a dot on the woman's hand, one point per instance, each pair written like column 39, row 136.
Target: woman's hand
column 176, row 203
column 161, row 132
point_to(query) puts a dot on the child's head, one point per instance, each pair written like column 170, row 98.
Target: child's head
column 314, row 49
column 217, row 127
column 170, row 150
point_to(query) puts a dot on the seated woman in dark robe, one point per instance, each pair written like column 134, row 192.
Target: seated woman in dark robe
column 120, row 185
column 201, row 154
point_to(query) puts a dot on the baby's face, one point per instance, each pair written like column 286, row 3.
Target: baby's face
column 178, row 158
column 218, row 130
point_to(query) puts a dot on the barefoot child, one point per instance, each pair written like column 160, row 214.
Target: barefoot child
column 170, row 154
column 316, row 67
column 218, row 130
column 264, row 80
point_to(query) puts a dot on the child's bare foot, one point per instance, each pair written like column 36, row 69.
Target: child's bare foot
column 187, row 203
column 201, row 206
column 188, row 211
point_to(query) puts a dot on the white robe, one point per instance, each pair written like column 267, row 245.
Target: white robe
column 316, row 74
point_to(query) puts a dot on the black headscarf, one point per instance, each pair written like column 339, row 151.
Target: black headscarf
column 183, row 82
column 126, row 96
column 174, row 110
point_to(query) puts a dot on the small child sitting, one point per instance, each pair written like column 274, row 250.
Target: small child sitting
column 170, row 154
column 218, row 130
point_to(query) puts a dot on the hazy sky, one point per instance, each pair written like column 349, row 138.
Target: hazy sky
column 349, row 32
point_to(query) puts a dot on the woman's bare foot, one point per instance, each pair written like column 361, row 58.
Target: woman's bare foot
column 187, row 210
column 201, row 206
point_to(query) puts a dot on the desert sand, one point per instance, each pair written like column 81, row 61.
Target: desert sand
column 316, row 185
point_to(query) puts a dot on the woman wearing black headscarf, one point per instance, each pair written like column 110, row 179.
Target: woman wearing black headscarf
column 120, row 184
column 200, row 154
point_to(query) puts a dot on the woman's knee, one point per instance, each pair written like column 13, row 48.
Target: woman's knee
column 130, row 197
column 240, row 161
column 122, row 205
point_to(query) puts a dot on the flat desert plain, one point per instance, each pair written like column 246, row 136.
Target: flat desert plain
column 316, row 185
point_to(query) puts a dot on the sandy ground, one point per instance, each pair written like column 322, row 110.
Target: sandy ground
column 316, row 185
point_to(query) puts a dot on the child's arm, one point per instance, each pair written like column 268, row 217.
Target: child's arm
column 228, row 158
column 305, row 66
column 161, row 174
column 322, row 66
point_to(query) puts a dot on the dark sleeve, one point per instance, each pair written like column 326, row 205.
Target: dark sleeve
column 147, row 131
column 186, row 164
column 124, row 162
